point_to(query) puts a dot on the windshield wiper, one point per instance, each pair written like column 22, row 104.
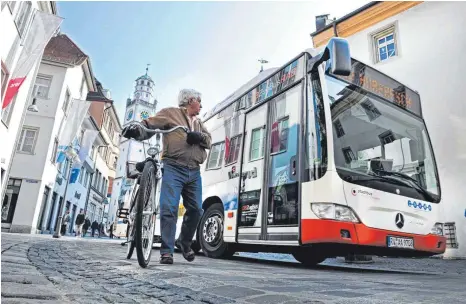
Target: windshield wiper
column 373, row 177
column 411, row 181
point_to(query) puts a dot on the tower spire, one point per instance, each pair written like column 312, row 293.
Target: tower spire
column 147, row 68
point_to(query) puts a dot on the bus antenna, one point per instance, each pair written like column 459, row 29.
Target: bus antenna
column 262, row 61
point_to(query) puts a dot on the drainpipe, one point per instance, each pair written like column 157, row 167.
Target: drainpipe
column 335, row 32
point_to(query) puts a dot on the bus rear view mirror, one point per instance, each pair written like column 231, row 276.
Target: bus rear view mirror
column 337, row 53
column 340, row 58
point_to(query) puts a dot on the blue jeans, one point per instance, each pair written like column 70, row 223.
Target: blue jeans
column 179, row 181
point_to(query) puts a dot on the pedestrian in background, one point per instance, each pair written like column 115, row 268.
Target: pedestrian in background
column 79, row 223
column 66, row 222
column 94, row 227
column 86, row 226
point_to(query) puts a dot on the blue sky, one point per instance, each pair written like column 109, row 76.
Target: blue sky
column 212, row 47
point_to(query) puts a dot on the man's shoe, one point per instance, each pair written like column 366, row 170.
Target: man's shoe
column 188, row 253
column 166, row 259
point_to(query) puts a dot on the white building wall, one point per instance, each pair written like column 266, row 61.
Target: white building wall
column 431, row 44
column 39, row 168
column 10, row 50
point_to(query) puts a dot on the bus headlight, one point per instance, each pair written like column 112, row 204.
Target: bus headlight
column 437, row 229
column 334, row 212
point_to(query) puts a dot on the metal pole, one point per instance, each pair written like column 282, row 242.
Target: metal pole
column 60, row 212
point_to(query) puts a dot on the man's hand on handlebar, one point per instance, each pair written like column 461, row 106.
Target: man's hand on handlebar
column 135, row 131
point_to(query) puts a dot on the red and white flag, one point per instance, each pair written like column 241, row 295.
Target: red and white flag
column 42, row 28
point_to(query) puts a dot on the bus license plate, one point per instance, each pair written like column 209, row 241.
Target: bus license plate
column 399, row 242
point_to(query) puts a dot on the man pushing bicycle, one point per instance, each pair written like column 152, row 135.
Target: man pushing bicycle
column 182, row 155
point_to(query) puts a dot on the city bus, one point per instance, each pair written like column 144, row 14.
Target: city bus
column 322, row 157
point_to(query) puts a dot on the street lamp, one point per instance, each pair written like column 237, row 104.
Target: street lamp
column 33, row 107
column 72, row 154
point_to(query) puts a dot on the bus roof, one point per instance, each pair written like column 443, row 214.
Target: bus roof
column 248, row 86
column 242, row 90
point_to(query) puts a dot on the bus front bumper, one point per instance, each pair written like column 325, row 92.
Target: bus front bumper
column 344, row 237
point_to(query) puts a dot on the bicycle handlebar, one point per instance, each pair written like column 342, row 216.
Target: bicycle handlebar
column 161, row 131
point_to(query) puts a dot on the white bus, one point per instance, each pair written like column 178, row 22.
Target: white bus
column 320, row 158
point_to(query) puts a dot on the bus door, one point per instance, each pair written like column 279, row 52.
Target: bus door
column 270, row 172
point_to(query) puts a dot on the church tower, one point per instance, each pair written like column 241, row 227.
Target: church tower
column 143, row 103
column 140, row 107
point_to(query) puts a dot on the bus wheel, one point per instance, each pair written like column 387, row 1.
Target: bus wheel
column 308, row 258
column 211, row 233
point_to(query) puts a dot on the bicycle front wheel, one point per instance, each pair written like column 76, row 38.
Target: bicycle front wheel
column 144, row 222
column 129, row 239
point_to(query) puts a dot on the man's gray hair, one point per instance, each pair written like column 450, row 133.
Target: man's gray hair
column 185, row 96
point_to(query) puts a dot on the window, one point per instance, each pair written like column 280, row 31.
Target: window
column 279, row 136
column 86, row 178
column 257, row 144
column 387, row 137
column 81, row 174
column 371, row 111
column 97, row 179
column 22, row 17
column 216, row 155
column 42, row 86
column 102, row 185
column 54, row 150
column 348, row 154
column 339, row 128
column 10, row 199
column 233, row 151
column 66, row 102
column 4, row 80
column 27, row 140
column 385, row 44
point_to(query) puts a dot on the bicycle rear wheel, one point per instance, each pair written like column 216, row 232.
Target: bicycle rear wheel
column 144, row 222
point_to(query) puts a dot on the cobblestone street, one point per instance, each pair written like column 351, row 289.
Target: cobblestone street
column 39, row 269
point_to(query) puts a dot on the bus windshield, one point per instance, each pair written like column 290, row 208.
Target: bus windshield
column 378, row 144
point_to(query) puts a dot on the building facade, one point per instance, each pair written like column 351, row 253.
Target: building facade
column 421, row 44
column 15, row 24
column 100, row 205
column 36, row 181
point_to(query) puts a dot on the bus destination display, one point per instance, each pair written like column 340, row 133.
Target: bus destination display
column 381, row 85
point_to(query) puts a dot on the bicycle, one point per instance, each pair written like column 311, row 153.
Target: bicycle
column 141, row 215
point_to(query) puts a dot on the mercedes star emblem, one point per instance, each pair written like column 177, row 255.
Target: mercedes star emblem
column 399, row 220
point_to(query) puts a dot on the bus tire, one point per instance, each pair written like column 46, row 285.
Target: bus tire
column 210, row 233
column 308, row 257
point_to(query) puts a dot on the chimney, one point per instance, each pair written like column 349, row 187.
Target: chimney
column 322, row 21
